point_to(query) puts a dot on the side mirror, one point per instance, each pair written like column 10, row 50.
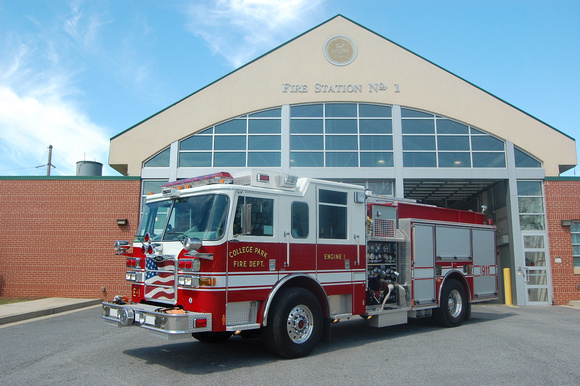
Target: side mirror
column 191, row 244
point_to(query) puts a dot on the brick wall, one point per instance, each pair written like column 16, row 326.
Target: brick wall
column 57, row 235
column 562, row 203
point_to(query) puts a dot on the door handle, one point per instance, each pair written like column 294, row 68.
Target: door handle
column 526, row 275
column 287, row 235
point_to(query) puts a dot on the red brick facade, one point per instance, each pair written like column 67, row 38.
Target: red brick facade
column 562, row 203
column 57, row 235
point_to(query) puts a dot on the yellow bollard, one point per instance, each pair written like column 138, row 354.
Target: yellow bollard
column 507, row 286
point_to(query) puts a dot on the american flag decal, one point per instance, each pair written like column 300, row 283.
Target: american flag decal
column 159, row 279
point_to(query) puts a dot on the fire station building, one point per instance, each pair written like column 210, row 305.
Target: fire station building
column 343, row 103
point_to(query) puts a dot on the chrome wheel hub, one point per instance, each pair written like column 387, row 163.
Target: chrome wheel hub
column 455, row 303
column 299, row 325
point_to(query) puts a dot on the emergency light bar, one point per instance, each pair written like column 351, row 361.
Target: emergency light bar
column 208, row 179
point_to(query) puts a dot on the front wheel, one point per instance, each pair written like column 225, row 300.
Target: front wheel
column 294, row 323
column 453, row 306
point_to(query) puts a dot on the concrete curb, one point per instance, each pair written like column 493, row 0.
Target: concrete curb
column 16, row 312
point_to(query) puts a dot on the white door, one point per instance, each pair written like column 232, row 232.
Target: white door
column 536, row 269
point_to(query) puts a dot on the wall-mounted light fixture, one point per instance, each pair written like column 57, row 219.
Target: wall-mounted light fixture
column 566, row 223
column 122, row 221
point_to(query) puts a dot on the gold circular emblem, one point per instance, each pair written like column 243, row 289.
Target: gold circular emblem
column 340, row 50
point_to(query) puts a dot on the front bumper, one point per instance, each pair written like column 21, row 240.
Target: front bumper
column 153, row 318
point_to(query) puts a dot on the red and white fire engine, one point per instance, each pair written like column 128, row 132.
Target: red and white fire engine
column 286, row 257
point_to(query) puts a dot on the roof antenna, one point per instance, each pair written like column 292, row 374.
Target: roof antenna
column 49, row 164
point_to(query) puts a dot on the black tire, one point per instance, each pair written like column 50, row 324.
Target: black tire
column 212, row 337
column 453, row 306
column 294, row 323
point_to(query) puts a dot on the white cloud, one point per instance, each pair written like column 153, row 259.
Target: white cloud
column 39, row 100
column 28, row 125
column 239, row 30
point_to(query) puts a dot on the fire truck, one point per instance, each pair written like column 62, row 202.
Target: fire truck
column 272, row 255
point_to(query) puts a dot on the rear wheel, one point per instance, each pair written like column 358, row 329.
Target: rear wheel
column 212, row 337
column 294, row 323
column 453, row 306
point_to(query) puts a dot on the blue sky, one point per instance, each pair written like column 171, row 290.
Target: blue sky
column 75, row 73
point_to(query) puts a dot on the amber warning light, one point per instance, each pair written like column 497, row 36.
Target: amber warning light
column 208, row 179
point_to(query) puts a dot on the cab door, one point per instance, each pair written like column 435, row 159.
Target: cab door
column 254, row 249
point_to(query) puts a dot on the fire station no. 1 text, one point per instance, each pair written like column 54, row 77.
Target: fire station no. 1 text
column 339, row 88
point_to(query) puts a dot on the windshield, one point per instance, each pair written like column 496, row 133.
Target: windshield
column 203, row 217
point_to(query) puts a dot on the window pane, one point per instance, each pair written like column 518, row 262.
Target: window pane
column 332, row 222
column 306, row 142
column 341, row 160
column 306, row 111
column 262, row 216
column 341, row 110
column 418, row 142
column 307, row 159
column 533, row 241
column 529, row 188
column 414, row 113
column 300, row 220
column 376, row 142
column 264, row 159
column 454, row 160
column 531, row 204
column 229, row 159
column 195, row 159
column 531, row 222
column 537, row 277
column 268, row 113
column 332, row 197
column 231, row 127
column 538, row 294
column 159, row 161
column 418, row 126
column 374, row 111
column 383, row 188
column 575, row 226
column 446, row 126
column 486, row 142
column 264, row 142
column 340, row 126
column 341, row 142
column 378, row 126
column 196, row 143
column 414, row 160
column 375, row 160
column 230, row 142
column 475, row 131
column 265, row 126
column 488, row 160
column 453, row 142
column 535, row 259
column 299, row 126
column 152, row 186
column 524, row 160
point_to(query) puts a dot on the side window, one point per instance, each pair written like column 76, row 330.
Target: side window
column 261, row 218
column 332, row 214
column 299, row 213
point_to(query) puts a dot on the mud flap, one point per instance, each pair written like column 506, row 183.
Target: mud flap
column 326, row 335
